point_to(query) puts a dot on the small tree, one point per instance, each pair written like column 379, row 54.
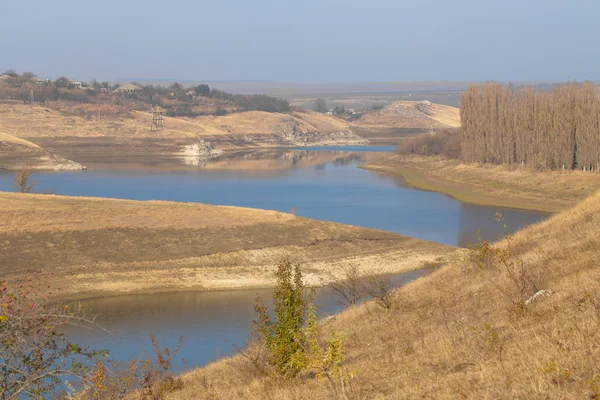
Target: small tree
column 201, row 90
column 11, row 72
column 283, row 336
column 292, row 339
column 339, row 110
column 21, row 181
column 62, row 82
column 321, row 105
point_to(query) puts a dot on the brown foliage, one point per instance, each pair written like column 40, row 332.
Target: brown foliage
column 560, row 129
column 444, row 143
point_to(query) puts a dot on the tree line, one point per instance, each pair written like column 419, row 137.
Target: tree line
column 176, row 99
column 551, row 129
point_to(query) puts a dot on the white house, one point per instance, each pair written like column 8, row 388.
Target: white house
column 129, row 89
column 75, row 84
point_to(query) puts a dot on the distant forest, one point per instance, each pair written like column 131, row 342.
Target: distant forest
column 556, row 129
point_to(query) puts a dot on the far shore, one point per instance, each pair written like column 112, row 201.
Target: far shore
column 491, row 185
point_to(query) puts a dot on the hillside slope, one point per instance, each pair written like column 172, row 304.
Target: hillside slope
column 79, row 130
column 465, row 331
column 16, row 153
column 412, row 115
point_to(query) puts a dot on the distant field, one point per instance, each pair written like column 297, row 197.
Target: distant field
column 87, row 247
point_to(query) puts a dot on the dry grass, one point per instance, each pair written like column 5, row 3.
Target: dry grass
column 84, row 247
column 34, row 121
column 454, row 334
column 497, row 185
column 17, row 153
column 100, row 132
column 412, row 114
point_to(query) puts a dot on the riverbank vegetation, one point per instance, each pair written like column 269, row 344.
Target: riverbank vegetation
column 512, row 186
column 500, row 124
column 557, row 129
column 516, row 319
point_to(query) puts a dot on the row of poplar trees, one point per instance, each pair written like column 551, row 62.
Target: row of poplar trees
column 557, row 129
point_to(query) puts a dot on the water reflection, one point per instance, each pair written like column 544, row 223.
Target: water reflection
column 324, row 185
column 477, row 223
column 212, row 323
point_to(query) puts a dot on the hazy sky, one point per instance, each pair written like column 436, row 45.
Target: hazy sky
column 303, row 40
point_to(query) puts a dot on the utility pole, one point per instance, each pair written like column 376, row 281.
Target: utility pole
column 157, row 120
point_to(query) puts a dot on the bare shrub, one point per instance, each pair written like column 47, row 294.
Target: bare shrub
column 444, row 143
column 21, row 181
column 149, row 380
column 35, row 355
column 351, row 290
column 381, row 291
column 523, row 282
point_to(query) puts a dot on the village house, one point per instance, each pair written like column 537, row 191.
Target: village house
column 39, row 81
column 129, row 89
column 75, row 84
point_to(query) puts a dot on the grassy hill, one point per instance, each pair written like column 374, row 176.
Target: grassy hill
column 471, row 330
column 79, row 130
column 17, row 153
column 84, row 247
column 413, row 115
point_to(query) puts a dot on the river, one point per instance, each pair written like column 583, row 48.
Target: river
column 320, row 183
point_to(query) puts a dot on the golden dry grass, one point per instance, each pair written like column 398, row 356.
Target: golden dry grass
column 497, row 185
column 17, row 153
column 34, row 121
column 84, row 247
column 456, row 335
column 413, row 115
column 99, row 133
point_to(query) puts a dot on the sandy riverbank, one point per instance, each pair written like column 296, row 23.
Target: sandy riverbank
column 492, row 185
column 89, row 247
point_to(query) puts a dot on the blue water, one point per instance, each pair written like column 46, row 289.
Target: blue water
column 333, row 191
column 213, row 323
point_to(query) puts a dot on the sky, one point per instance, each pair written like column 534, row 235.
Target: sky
column 307, row 41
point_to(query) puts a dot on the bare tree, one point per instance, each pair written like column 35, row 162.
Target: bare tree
column 557, row 129
column 351, row 289
column 21, row 181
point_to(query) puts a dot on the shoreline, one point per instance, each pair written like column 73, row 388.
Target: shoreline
column 81, row 297
column 420, row 182
column 491, row 185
